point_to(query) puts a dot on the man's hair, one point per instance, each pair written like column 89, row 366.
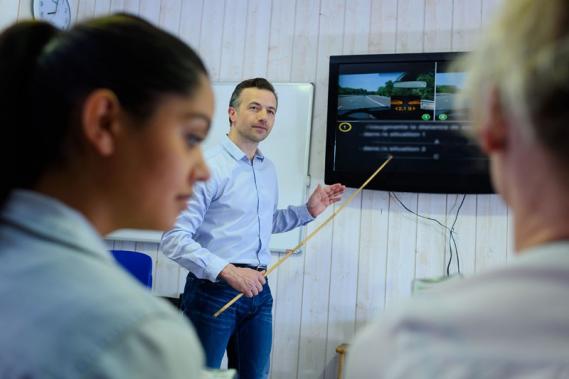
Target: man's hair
column 525, row 56
column 260, row 83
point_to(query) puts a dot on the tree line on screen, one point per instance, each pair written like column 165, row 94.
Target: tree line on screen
column 389, row 90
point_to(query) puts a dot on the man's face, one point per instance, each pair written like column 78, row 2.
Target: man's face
column 252, row 120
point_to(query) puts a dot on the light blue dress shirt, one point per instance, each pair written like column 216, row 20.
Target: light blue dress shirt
column 231, row 217
column 67, row 310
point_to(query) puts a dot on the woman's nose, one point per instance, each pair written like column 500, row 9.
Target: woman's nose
column 201, row 171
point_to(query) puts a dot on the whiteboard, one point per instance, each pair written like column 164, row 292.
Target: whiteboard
column 288, row 146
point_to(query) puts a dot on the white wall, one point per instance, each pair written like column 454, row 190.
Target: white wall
column 366, row 260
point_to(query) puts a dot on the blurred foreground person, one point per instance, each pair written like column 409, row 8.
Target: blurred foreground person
column 98, row 133
column 512, row 322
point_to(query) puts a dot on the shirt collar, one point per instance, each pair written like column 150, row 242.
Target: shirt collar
column 54, row 221
column 237, row 153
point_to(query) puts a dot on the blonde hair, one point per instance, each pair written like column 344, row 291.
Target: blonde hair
column 525, row 56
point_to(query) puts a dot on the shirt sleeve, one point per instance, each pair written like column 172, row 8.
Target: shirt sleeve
column 290, row 218
column 179, row 244
column 158, row 348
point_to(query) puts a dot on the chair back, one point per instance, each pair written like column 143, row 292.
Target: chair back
column 138, row 264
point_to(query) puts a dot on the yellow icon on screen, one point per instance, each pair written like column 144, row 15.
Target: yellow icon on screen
column 345, row 127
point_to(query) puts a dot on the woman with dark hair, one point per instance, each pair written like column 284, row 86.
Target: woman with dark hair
column 101, row 129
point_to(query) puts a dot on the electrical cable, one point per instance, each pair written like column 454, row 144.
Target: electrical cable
column 452, row 241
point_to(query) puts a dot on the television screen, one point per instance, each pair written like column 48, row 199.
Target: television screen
column 401, row 105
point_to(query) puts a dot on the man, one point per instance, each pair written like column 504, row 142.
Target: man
column 223, row 236
column 512, row 322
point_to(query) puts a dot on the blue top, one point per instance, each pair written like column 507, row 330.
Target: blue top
column 231, row 217
column 69, row 311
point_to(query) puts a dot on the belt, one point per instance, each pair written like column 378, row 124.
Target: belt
column 252, row 267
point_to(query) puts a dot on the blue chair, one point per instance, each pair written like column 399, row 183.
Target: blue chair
column 138, row 264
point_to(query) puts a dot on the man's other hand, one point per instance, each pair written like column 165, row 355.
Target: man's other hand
column 245, row 280
column 322, row 197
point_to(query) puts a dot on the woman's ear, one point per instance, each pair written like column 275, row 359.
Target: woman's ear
column 493, row 132
column 100, row 117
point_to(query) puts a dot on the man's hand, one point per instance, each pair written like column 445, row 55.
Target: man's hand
column 322, row 197
column 245, row 280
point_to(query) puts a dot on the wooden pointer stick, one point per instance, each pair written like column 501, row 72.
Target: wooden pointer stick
column 312, row 234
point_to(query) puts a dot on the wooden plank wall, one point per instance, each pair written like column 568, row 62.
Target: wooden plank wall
column 367, row 259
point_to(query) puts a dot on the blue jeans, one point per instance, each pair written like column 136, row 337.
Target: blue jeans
column 245, row 329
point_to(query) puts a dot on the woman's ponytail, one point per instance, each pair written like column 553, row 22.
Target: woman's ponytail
column 20, row 47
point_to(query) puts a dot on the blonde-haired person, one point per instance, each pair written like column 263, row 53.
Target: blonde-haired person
column 98, row 133
column 512, row 322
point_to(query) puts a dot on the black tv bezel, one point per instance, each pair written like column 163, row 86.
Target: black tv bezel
column 392, row 181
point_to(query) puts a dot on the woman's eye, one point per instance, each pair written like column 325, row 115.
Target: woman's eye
column 192, row 140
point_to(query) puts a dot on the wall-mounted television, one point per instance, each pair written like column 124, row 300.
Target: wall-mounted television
column 401, row 105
